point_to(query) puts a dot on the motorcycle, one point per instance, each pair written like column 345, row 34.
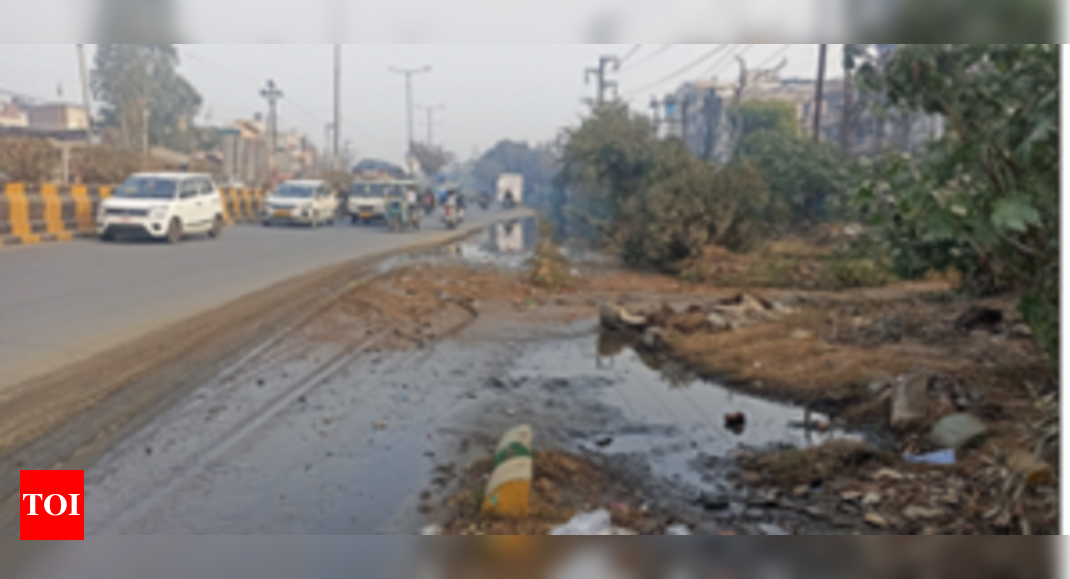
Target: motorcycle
column 509, row 202
column 484, row 202
column 452, row 217
column 429, row 205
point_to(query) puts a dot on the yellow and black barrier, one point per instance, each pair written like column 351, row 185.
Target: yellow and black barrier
column 32, row 214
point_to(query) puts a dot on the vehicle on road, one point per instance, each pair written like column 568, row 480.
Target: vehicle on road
column 308, row 203
column 453, row 210
column 510, row 190
column 162, row 206
column 484, row 201
column 367, row 199
column 401, row 216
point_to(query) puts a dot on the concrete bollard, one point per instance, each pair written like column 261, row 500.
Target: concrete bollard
column 508, row 493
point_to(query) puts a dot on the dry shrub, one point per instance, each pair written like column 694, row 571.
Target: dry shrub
column 105, row 165
column 793, row 467
column 28, row 159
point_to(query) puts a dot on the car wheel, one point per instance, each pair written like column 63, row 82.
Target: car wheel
column 174, row 232
column 217, row 228
column 107, row 236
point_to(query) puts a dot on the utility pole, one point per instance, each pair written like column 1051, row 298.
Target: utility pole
column 409, row 74
column 819, row 99
column 431, row 122
column 847, row 128
column 272, row 94
column 327, row 131
column 86, row 102
column 600, row 73
column 337, row 103
column 655, row 109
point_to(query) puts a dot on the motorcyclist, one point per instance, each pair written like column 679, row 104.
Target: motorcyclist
column 510, row 199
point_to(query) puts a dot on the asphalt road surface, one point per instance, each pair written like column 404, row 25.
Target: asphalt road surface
column 65, row 302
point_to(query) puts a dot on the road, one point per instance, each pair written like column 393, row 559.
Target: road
column 63, row 303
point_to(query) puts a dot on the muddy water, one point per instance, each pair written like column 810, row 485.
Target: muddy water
column 505, row 246
column 666, row 426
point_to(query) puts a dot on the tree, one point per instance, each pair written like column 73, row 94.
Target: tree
column 537, row 165
column 656, row 202
column 139, row 84
column 432, row 159
column 984, row 198
column 777, row 116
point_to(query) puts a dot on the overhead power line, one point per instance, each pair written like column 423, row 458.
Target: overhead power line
column 634, row 50
column 726, row 62
column 652, row 56
column 686, row 69
column 776, row 56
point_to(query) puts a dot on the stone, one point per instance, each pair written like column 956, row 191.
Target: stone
column 916, row 513
column 876, row 520
column 957, row 431
column 771, row 529
column 802, row 335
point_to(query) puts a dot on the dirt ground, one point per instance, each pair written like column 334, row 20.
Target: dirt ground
column 841, row 353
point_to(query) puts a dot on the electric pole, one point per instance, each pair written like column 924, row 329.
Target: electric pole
column 409, row 74
column 600, row 74
column 846, row 130
column 819, row 99
column 337, row 103
column 272, row 94
column 86, row 102
column 431, row 122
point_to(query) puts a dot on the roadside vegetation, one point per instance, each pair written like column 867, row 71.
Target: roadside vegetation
column 978, row 205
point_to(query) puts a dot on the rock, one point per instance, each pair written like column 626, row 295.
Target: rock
column 718, row 323
column 910, row 403
column 653, row 338
column 957, row 431
column 800, row 492
column 876, row 520
column 1035, row 471
column 915, row 513
column 802, row 335
column 1022, row 331
column 878, row 383
column 872, row 499
column 770, row 529
column 618, row 319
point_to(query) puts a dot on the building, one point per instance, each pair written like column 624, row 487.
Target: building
column 246, row 153
column 11, row 115
column 57, row 117
column 699, row 113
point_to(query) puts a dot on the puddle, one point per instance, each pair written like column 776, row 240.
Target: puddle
column 659, row 412
column 506, row 246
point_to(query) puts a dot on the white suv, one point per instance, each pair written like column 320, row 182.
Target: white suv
column 162, row 206
column 304, row 202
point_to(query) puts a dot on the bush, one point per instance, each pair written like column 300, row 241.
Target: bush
column 28, row 159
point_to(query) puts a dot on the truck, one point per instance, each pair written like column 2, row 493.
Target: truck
column 510, row 190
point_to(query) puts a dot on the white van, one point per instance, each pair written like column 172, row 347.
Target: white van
column 304, row 202
column 162, row 206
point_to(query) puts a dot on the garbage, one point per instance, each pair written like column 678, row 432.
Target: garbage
column 941, row 458
column 616, row 318
column 770, row 529
column 957, row 431
column 596, row 523
column 910, row 404
column 735, row 421
column 678, row 530
column 1033, row 470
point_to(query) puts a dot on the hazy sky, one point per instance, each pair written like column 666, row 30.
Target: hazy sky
column 489, row 91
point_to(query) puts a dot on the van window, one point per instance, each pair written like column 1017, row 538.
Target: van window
column 207, row 188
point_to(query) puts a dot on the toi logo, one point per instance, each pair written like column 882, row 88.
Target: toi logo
column 51, row 505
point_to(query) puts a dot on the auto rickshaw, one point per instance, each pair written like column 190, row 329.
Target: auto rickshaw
column 401, row 216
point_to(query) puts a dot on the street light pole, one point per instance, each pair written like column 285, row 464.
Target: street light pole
column 86, row 102
column 409, row 74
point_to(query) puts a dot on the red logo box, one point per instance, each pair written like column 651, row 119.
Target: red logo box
column 52, row 506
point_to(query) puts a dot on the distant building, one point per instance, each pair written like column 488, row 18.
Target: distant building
column 11, row 115
column 699, row 114
column 57, row 117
